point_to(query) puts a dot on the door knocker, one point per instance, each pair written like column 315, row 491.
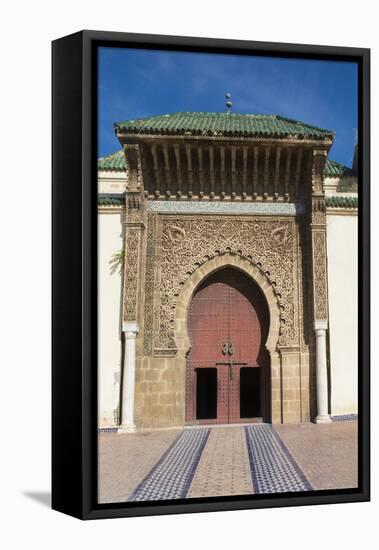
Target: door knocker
column 228, row 348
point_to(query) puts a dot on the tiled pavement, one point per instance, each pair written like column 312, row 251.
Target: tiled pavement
column 233, row 460
column 327, row 454
column 124, row 460
column 224, row 467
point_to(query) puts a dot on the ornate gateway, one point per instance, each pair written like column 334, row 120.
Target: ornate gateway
column 201, row 200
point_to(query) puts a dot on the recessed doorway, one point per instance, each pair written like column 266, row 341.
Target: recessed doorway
column 228, row 365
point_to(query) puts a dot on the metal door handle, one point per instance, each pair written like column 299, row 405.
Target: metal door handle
column 228, row 348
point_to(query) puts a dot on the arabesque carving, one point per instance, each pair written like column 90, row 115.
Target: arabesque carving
column 131, row 275
column 186, row 244
column 149, row 285
column 318, row 211
column 134, row 208
column 320, row 288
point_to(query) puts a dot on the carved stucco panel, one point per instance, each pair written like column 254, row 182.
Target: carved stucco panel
column 320, row 285
column 302, row 282
column 131, row 275
column 183, row 244
column 149, row 285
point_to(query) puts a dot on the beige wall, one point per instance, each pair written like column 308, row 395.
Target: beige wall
column 342, row 233
column 109, row 292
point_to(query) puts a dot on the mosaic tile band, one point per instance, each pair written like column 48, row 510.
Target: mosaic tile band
column 216, row 207
column 273, row 470
column 342, row 417
column 171, row 477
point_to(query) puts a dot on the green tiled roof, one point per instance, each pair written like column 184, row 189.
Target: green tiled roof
column 115, row 162
column 110, row 199
column 224, row 124
column 334, row 169
column 342, row 202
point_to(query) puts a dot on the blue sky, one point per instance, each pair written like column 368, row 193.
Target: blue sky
column 138, row 83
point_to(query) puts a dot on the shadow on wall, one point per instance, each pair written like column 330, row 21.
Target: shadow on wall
column 41, row 497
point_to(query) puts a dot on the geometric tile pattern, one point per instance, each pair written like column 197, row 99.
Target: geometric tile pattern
column 171, row 477
column 273, row 469
column 234, row 460
column 125, row 459
column 326, row 453
column 341, row 417
column 208, row 207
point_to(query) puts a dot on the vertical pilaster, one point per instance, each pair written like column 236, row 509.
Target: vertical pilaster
column 134, row 233
column 319, row 281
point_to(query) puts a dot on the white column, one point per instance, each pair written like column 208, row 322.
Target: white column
column 321, row 373
column 128, row 378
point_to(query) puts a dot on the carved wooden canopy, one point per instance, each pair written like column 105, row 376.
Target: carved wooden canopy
column 248, row 170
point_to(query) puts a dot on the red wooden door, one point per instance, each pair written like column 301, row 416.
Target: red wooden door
column 227, row 324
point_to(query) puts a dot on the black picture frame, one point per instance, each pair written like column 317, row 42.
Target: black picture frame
column 74, row 272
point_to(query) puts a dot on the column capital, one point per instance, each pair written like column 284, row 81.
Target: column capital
column 130, row 327
column 320, row 324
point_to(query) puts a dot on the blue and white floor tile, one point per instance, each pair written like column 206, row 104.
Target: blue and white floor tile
column 273, row 470
column 171, row 477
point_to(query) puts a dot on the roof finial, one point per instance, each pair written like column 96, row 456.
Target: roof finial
column 228, row 102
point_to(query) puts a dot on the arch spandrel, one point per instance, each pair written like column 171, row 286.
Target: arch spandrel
column 188, row 243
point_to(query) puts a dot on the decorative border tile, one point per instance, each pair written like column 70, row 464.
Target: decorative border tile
column 273, row 470
column 341, row 417
column 217, row 207
column 171, row 477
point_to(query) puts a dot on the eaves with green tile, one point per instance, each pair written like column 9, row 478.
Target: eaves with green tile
column 224, row 124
